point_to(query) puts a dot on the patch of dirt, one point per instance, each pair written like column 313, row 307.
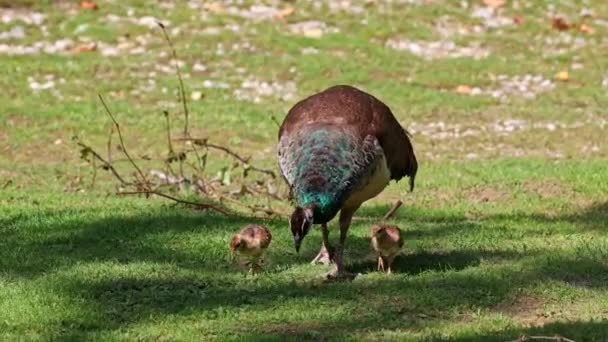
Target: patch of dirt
column 546, row 188
column 519, row 86
column 438, row 49
column 311, row 29
column 254, row 90
column 486, row 193
column 528, row 310
column 23, row 15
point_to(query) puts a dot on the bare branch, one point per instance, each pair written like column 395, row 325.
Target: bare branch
column 94, row 177
column 263, row 193
column 7, row 184
column 110, row 143
column 122, row 143
column 242, row 160
column 182, row 89
column 393, row 210
column 274, row 119
column 168, row 127
column 267, row 211
column 197, row 205
column 106, row 165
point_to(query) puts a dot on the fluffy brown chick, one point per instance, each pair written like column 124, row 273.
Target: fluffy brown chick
column 251, row 242
column 387, row 242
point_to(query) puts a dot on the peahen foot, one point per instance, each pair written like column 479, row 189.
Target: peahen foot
column 339, row 276
column 324, row 257
column 339, row 273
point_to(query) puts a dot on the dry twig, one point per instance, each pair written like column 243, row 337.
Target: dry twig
column 240, row 159
column 86, row 149
column 109, row 147
column 197, row 205
column 182, row 89
column 122, row 143
column 393, row 210
column 142, row 186
column 267, row 211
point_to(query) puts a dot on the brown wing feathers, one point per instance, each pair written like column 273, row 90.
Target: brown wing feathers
column 364, row 115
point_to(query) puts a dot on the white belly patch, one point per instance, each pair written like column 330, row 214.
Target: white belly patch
column 372, row 185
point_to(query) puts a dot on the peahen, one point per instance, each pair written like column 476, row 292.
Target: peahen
column 337, row 149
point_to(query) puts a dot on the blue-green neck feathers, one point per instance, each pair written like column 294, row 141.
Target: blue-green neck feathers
column 321, row 166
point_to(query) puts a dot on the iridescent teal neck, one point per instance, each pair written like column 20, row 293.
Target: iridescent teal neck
column 323, row 205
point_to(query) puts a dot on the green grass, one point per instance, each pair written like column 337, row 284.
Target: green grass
column 505, row 232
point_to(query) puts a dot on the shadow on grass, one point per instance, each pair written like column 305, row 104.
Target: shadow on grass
column 116, row 239
column 127, row 300
column 574, row 330
column 431, row 283
column 418, row 262
column 593, row 217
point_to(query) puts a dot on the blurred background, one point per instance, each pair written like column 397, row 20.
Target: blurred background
column 469, row 79
column 505, row 233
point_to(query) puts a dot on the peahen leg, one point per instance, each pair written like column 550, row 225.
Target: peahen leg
column 324, row 257
column 346, row 216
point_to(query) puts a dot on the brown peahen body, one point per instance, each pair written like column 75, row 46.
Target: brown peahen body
column 337, row 149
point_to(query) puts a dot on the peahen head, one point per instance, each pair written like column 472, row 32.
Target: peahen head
column 300, row 222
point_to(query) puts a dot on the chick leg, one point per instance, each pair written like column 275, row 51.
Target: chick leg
column 324, row 257
column 390, row 263
column 380, row 263
column 254, row 266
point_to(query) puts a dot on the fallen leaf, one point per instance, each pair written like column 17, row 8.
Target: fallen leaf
column 494, row 3
column 88, row 5
column 586, row 28
column 214, row 7
column 562, row 76
column 86, row 47
column 463, row 89
column 518, row 19
column 283, row 13
column 560, row 23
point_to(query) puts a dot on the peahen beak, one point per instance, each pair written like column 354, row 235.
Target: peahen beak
column 297, row 239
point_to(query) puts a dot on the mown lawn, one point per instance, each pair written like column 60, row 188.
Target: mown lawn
column 505, row 232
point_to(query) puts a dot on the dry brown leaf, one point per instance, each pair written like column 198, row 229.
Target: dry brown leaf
column 214, row 7
column 88, row 5
column 494, row 3
column 518, row 19
column 86, row 47
column 560, row 23
column 283, row 13
column 463, row 89
column 586, row 28
column 562, row 76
